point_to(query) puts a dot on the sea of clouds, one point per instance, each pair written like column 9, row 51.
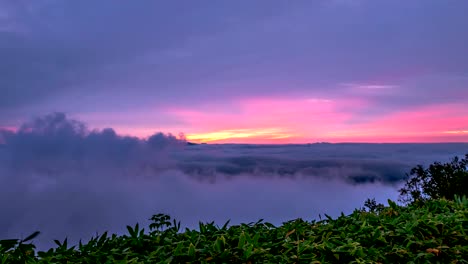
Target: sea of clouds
column 66, row 180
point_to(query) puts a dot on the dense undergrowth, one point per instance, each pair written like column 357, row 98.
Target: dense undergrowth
column 435, row 232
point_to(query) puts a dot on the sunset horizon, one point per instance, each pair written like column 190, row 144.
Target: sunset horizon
column 285, row 135
column 240, row 72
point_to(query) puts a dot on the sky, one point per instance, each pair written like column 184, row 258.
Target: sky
column 265, row 71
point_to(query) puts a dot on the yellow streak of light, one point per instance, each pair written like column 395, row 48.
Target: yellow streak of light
column 263, row 133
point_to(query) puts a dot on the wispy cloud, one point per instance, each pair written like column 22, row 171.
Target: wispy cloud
column 319, row 100
column 369, row 86
column 456, row 132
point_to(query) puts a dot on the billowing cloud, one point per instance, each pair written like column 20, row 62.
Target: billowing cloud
column 51, row 147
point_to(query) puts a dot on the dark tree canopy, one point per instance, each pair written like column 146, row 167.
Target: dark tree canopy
column 439, row 180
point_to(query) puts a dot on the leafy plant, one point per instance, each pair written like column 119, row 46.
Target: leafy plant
column 17, row 249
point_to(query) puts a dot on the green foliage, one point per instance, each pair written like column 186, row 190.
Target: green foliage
column 16, row 250
column 440, row 180
column 435, row 232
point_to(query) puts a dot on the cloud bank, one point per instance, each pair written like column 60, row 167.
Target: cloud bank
column 52, row 146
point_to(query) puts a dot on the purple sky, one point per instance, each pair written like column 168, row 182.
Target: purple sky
column 241, row 71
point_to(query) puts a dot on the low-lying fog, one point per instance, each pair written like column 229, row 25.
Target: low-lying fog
column 60, row 178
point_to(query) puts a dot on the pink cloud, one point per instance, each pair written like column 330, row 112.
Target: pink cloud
column 8, row 128
column 440, row 123
column 302, row 120
column 296, row 118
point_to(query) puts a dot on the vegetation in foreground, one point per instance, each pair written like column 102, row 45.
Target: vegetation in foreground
column 431, row 228
column 434, row 232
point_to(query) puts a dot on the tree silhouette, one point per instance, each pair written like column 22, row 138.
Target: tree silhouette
column 439, row 180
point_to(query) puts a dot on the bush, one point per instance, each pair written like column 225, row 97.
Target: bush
column 440, row 180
